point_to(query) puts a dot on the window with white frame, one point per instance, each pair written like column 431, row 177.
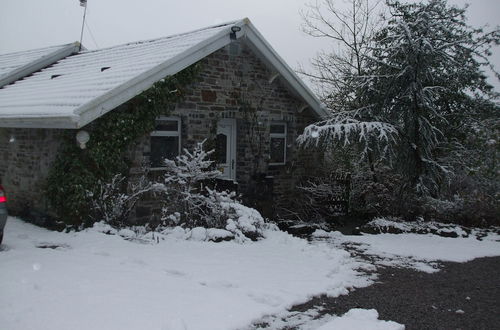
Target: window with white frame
column 165, row 140
column 277, row 139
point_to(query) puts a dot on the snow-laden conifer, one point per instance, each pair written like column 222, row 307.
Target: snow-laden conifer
column 424, row 85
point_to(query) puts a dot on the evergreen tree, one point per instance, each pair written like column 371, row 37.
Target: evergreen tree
column 424, row 86
column 428, row 78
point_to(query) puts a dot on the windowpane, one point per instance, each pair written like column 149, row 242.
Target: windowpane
column 166, row 125
column 221, row 149
column 277, row 128
column 278, row 143
column 163, row 147
column 277, row 150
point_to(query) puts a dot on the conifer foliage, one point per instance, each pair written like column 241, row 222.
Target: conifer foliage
column 423, row 86
column 427, row 73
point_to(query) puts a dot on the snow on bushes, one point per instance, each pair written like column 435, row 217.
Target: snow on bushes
column 189, row 203
column 244, row 221
column 237, row 222
column 113, row 201
column 192, row 204
column 243, row 224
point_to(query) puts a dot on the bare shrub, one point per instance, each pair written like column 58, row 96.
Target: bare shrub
column 113, row 201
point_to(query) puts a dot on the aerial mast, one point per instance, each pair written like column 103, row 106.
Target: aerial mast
column 83, row 3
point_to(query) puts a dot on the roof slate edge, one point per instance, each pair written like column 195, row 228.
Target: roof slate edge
column 121, row 94
column 40, row 63
column 126, row 91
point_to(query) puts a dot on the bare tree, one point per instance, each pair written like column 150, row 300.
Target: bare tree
column 338, row 74
column 351, row 26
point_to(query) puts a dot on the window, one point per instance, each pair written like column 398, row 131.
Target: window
column 278, row 144
column 165, row 140
column 221, row 148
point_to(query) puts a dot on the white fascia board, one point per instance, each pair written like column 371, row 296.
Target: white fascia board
column 41, row 63
column 121, row 94
column 269, row 55
column 38, row 122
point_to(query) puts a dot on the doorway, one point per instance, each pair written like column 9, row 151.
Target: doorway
column 226, row 148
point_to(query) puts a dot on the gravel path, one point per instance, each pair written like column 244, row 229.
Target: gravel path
column 460, row 296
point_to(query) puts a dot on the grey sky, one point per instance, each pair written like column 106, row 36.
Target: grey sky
column 29, row 24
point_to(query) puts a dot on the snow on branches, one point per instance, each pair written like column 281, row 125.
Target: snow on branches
column 422, row 85
column 191, row 167
column 347, row 130
column 189, row 201
column 113, row 201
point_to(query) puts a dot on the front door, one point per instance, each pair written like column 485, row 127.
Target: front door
column 226, row 148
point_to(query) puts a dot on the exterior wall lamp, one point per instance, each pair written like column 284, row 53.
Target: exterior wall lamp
column 234, row 29
column 82, row 137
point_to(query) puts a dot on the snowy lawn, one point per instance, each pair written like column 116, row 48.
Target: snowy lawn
column 90, row 280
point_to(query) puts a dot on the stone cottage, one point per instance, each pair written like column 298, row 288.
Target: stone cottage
column 245, row 98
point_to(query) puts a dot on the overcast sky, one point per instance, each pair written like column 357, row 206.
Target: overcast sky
column 26, row 24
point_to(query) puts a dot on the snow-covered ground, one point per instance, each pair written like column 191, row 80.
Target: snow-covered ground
column 99, row 281
column 421, row 252
column 365, row 319
column 90, row 280
column 360, row 319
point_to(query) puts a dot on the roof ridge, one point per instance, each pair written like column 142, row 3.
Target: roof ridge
column 229, row 23
column 37, row 49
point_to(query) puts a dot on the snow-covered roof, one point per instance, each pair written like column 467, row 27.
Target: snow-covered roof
column 14, row 66
column 79, row 88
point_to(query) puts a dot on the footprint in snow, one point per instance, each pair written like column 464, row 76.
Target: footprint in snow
column 133, row 261
column 175, row 273
column 4, row 248
column 266, row 299
column 219, row 285
column 102, row 253
column 53, row 246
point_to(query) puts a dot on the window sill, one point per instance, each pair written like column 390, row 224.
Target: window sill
column 156, row 169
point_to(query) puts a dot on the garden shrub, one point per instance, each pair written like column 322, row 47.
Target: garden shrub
column 191, row 203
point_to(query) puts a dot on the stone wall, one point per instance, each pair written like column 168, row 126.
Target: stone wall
column 25, row 159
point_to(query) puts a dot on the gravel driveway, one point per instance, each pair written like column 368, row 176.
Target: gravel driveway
column 460, row 296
